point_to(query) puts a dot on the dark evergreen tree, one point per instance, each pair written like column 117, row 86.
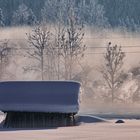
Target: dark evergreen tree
column 1, row 18
column 20, row 16
column 129, row 24
column 54, row 10
column 123, row 10
column 23, row 16
column 92, row 13
column 31, row 18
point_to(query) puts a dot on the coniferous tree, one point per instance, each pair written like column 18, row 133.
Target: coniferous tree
column 31, row 18
column 23, row 16
column 20, row 16
column 92, row 13
column 1, row 18
column 129, row 24
column 53, row 10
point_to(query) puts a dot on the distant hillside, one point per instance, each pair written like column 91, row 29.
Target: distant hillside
column 121, row 9
column 116, row 12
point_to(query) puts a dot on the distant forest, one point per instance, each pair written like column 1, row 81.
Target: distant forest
column 103, row 13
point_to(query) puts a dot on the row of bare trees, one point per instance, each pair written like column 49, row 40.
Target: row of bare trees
column 57, row 60
column 56, row 52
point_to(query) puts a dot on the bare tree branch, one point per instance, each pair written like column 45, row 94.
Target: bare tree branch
column 111, row 70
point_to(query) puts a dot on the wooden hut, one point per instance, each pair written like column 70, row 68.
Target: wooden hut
column 30, row 104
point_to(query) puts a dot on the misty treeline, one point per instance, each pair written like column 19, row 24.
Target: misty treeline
column 53, row 50
column 101, row 13
column 56, row 53
column 59, row 55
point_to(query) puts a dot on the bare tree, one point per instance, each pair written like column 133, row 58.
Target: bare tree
column 111, row 70
column 58, row 44
column 68, row 43
column 4, row 57
column 39, row 41
column 72, row 47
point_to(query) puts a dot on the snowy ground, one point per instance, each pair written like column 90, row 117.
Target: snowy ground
column 91, row 128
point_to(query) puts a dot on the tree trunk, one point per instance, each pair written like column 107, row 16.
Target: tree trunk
column 112, row 94
column 42, row 65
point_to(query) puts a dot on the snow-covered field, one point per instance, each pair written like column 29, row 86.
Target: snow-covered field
column 91, row 128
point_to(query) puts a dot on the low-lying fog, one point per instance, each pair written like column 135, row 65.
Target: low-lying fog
column 93, row 58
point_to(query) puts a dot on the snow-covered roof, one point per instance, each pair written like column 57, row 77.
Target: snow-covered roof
column 39, row 96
